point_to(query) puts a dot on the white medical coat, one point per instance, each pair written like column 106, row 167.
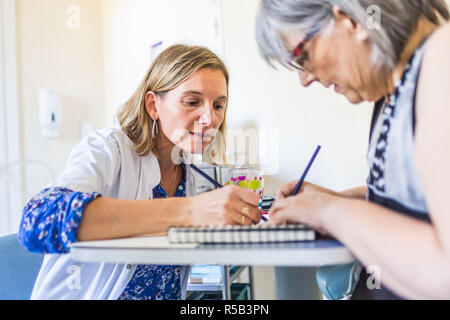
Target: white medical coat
column 103, row 162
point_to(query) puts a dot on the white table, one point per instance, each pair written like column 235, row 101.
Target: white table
column 294, row 262
column 307, row 254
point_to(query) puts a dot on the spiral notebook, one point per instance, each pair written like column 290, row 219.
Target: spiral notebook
column 242, row 234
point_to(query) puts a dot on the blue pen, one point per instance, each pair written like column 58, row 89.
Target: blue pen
column 214, row 182
column 302, row 179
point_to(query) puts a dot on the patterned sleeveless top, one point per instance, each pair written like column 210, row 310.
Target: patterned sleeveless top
column 394, row 181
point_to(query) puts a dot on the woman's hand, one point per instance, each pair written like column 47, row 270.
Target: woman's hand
column 285, row 191
column 309, row 207
column 230, row 205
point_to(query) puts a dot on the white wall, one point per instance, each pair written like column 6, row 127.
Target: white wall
column 131, row 27
column 265, row 98
column 10, row 153
column 3, row 142
column 53, row 55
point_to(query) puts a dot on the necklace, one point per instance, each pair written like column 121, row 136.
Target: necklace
column 172, row 184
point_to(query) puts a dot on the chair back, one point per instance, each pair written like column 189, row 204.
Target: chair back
column 18, row 269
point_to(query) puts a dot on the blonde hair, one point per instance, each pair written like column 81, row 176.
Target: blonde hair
column 170, row 69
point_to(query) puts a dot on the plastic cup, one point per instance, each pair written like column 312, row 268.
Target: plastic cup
column 249, row 177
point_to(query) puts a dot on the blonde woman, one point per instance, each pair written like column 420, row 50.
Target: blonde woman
column 128, row 182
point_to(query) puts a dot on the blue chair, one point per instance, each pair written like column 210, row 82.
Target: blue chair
column 338, row 282
column 18, row 269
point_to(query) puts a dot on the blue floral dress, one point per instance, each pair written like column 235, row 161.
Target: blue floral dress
column 50, row 224
column 152, row 282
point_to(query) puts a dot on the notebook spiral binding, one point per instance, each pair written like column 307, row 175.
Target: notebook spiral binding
column 242, row 234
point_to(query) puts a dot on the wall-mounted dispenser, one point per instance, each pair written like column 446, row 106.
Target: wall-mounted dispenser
column 50, row 113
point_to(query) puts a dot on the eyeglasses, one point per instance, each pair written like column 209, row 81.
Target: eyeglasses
column 294, row 61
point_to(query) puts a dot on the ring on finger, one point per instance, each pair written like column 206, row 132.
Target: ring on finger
column 246, row 211
column 243, row 220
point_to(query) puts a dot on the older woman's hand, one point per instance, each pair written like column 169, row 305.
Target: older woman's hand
column 309, row 207
column 230, row 205
column 286, row 190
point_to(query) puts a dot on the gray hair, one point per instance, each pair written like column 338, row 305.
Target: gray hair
column 389, row 38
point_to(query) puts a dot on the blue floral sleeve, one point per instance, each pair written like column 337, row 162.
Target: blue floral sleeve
column 51, row 220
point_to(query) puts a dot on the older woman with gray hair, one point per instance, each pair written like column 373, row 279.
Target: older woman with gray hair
column 396, row 54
